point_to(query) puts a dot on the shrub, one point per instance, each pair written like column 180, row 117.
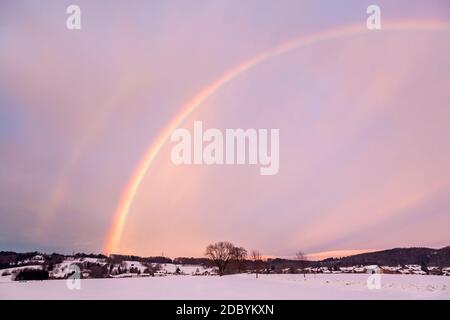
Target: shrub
column 98, row 271
column 31, row 274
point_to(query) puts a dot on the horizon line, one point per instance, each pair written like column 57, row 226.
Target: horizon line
column 322, row 255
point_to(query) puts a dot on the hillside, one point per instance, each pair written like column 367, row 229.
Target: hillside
column 397, row 256
column 398, row 260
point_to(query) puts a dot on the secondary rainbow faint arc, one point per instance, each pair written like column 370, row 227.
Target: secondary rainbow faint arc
column 141, row 169
column 57, row 193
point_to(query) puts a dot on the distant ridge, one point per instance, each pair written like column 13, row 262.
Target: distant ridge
column 396, row 256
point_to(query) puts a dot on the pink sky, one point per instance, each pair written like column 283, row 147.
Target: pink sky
column 364, row 127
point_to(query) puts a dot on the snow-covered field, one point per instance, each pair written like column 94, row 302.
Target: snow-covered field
column 243, row 286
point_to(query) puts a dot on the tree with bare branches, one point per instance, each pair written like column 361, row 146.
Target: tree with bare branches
column 239, row 257
column 301, row 258
column 221, row 253
column 257, row 261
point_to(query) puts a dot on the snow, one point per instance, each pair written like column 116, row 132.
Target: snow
column 185, row 269
column 413, row 267
column 242, row 286
column 133, row 264
column 63, row 269
column 6, row 274
column 92, row 260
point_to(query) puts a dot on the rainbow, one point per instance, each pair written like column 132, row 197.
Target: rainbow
column 57, row 194
column 132, row 187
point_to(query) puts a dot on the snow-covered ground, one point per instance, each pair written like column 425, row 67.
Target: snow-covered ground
column 243, row 286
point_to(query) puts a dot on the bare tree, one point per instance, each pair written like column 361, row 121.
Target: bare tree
column 301, row 262
column 221, row 253
column 239, row 256
column 257, row 260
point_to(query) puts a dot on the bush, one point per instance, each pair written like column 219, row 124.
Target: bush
column 31, row 274
column 98, row 271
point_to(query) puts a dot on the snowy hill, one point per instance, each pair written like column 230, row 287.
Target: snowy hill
column 415, row 261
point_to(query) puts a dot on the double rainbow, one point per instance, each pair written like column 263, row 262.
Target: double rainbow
column 132, row 187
